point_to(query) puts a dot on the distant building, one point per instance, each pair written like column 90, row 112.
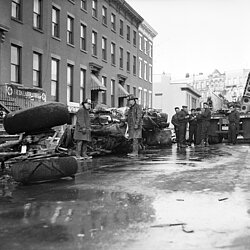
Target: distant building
column 101, row 49
column 169, row 94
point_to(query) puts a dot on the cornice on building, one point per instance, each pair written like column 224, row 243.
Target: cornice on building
column 122, row 5
column 145, row 27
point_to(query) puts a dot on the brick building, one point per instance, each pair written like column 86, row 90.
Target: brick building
column 73, row 49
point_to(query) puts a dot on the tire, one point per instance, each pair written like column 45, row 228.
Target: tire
column 37, row 118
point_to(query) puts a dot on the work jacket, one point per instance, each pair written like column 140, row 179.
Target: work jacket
column 234, row 117
column 174, row 120
column 192, row 120
column 182, row 116
column 83, row 127
column 206, row 115
column 134, row 119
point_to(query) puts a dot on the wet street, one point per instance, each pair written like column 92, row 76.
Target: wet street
column 194, row 198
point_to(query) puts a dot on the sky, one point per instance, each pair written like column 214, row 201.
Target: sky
column 198, row 36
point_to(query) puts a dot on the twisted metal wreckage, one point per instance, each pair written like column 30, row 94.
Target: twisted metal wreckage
column 42, row 152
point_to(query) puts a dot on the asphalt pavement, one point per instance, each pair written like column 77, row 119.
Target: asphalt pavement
column 193, row 198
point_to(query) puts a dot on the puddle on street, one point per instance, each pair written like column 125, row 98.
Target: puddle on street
column 74, row 216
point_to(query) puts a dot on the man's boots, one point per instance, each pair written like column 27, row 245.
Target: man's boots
column 135, row 148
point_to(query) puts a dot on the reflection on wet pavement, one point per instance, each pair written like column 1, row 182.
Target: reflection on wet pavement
column 114, row 202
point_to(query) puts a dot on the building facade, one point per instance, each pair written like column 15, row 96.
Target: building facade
column 74, row 49
column 168, row 94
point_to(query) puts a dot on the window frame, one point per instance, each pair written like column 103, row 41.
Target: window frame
column 83, row 36
column 94, row 39
column 70, row 30
column 37, row 16
column 104, row 48
column 113, row 53
column 121, row 57
column 38, row 71
column 70, row 82
column 104, row 93
column 104, row 15
column 128, row 61
column 121, row 32
column 17, row 66
column 54, row 82
column 55, row 25
column 82, row 84
column 83, row 4
column 18, row 10
column 113, row 22
column 128, row 33
column 94, row 9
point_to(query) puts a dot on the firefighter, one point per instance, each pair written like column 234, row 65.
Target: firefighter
column 234, row 124
column 192, row 127
column 82, row 133
column 199, row 125
column 206, row 117
column 134, row 119
column 175, row 122
column 182, row 120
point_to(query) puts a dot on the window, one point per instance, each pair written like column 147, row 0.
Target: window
column 112, row 92
column 104, row 15
column 140, row 42
column 113, row 24
column 140, row 67
column 134, row 65
column 37, row 11
column 84, row 4
column 134, row 91
column 134, row 37
column 37, row 70
column 121, row 28
column 104, row 48
column 94, row 8
column 113, row 53
column 128, row 88
column 128, row 61
column 70, row 70
column 150, row 73
column 82, row 84
column 83, row 30
column 54, row 79
column 139, row 95
column 104, row 94
column 150, row 50
column 150, row 99
column 128, row 33
column 145, row 46
column 94, row 43
column 70, row 30
column 121, row 58
column 16, row 9
column 15, row 64
column 145, row 98
column 145, row 70
column 55, row 22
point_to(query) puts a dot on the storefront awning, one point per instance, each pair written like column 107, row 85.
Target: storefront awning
column 96, row 84
column 122, row 92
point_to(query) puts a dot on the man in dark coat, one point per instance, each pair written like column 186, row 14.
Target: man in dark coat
column 192, row 127
column 206, row 117
column 82, row 133
column 199, row 126
column 134, row 119
column 234, row 124
column 175, row 122
column 182, row 119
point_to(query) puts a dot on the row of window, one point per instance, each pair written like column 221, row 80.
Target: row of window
column 145, row 45
column 37, row 76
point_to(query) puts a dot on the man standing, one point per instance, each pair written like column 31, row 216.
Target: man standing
column 134, row 119
column 192, row 127
column 206, row 117
column 234, row 124
column 175, row 122
column 182, row 120
column 199, row 126
column 82, row 133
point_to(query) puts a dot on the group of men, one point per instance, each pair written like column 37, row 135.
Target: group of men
column 199, row 124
